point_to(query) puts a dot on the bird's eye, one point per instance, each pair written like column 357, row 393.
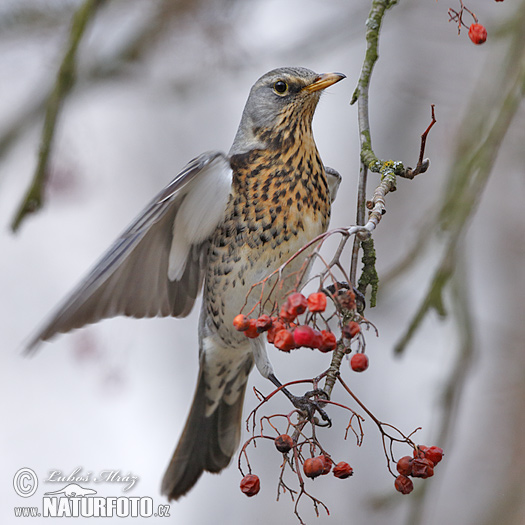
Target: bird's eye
column 280, row 87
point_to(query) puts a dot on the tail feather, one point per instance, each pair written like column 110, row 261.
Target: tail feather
column 206, row 444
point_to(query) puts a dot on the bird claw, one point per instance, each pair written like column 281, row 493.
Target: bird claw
column 310, row 406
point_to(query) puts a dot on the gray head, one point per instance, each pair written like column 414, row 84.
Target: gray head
column 280, row 96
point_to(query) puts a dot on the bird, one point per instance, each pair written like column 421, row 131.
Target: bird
column 225, row 222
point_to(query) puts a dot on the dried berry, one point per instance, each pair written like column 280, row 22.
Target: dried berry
column 435, row 454
column 304, row 335
column 283, row 443
column 313, row 467
column 264, row 323
column 404, row 465
column 250, row 485
column 346, row 299
column 343, row 470
column 296, row 304
column 477, row 33
column 359, row 362
column 420, row 451
column 316, row 302
column 276, row 327
column 351, row 329
column 287, row 315
column 251, row 331
column 328, row 341
column 284, row 340
column 404, row 484
column 241, row 323
column 422, row 468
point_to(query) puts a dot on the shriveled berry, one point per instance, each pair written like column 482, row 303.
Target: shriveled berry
column 435, row 454
column 296, row 303
column 276, row 327
column 477, row 33
column 318, row 339
column 251, row 331
column 313, row 467
column 283, row 443
column 304, row 336
column 264, row 323
column 359, row 362
column 284, row 340
column 287, row 315
column 351, row 329
column 420, row 451
column 404, row 465
column 343, row 470
column 404, row 484
column 422, row 468
column 241, row 323
column 316, row 302
column 327, row 462
column 328, row 341
column 250, row 485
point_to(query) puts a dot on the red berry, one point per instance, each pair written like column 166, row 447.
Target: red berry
column 304, row 336
column 250, row 485
column 435, row 454
column 328, row 341
column 404, row 466
column 313, row 467
column 251, row 331
column 420, row 451
column 276, row 327
column 287, row 315
column 296, row 304
column 241, row 323
column 283, row 443
column 318, row 339
column 284, row 340
column 264, row 323
column 404, row 484
column 422, row 468
column 351, row 329
column 343, row 470
column 327, row 462
column 316, row 302
column 359, row 362
column 477, row 33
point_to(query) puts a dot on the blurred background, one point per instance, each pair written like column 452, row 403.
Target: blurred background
column 158, row 83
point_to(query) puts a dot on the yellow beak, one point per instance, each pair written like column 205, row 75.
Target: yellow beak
column 323, row 81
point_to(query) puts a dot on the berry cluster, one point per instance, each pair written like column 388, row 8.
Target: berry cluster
column 313, row 467
column 421, row 465
column 285, row 331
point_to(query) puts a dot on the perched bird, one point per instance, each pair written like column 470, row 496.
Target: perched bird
column 227, row 221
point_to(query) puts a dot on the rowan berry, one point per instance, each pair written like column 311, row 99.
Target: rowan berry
column 343, row 470
column 327, row 462
column 359, row 362
column 404, row 484
column 296, row 304
column 283, row 443
column 435, row 454
column 250, row 485
column 284, row 340
column 287, row 315
column 351, row 329
column 316, row 302
column 264, row 323
column 276, row 327
column 313, row 467
column 404, row 465
column 241, row 323
column 477, row 33
column 328, row 341
column 304, row 335
column 422, row 468
column 251, row 331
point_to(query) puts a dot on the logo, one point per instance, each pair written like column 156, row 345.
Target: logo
column 75, row 499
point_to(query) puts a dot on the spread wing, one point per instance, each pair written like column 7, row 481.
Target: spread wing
column 155, row 268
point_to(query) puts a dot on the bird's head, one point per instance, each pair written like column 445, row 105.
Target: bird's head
column 280, row 99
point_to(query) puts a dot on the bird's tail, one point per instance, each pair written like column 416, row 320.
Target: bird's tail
column 207, row 442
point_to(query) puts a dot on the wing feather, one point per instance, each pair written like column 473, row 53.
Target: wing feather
column 131, row 278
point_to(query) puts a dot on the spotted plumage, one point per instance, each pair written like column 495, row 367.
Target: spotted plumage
column 226, row 221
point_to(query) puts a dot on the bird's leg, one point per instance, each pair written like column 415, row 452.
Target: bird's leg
column 305, row 403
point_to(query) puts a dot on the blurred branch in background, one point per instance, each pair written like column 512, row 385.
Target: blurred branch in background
column 65, row 81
